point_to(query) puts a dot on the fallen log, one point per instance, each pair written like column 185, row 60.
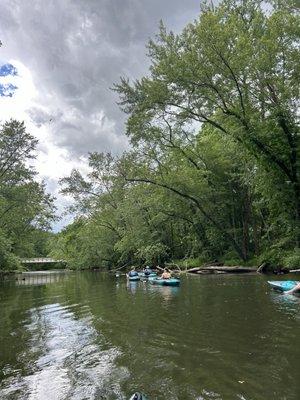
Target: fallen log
column 294, row 271
column 209, row 272
column 195, row 269
column 236, row 268
column 213, row 264
column 224, row 269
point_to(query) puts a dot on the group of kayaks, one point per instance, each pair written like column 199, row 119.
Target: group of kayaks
column 154, row 279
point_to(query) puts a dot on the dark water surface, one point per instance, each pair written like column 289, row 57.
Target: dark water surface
column 90, row 336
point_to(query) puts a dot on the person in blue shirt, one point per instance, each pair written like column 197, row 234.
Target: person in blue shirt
column 132, row 272
column 147, row 270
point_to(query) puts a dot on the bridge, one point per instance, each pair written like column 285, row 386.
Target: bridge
column 41, row 260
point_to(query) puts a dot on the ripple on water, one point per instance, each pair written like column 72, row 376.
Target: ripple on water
column 69, row 358
column 211, row 338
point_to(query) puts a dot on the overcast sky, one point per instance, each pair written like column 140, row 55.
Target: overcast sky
column 67, row 54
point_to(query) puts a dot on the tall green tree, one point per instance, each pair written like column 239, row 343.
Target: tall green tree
column 25, row 207
column 235, row 69
column 213, row 170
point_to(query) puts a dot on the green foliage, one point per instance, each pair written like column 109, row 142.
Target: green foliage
column 292, row 259
column 272, row 257
column 213, row 171
column 276, row 257
column 25, row 209
column 191, row 262
column 153, row 254
column 8, row 261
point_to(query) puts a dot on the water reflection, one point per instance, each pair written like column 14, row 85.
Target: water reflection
column 40, row 277
column 166, row 292
column 132, row 286
column 94, row 337
column 69, row 359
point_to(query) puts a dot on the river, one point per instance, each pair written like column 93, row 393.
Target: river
column 88, row 335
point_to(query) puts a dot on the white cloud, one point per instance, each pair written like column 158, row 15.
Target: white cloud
column 68, row 54
column 52, row 162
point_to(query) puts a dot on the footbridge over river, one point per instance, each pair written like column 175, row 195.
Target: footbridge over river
column 41, row 260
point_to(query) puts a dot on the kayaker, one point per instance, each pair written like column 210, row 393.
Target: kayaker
column 132, row 272
column 294, row 290
column 147, row 270
column 166, row 274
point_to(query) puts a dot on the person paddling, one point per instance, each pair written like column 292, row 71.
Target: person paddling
column 147, row 270
column 132, row 272
column 166, row 274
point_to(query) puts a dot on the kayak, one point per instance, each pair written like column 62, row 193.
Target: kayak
column 145, row 276
column 164, row 282
column 133, row 278
column 283, row 286
column 138, row 396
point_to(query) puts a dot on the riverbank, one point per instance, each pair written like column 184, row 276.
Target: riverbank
column 223, row 269
column 187, row 266
column 198, row 265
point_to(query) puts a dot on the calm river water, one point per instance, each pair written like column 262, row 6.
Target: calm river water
column 88, row 335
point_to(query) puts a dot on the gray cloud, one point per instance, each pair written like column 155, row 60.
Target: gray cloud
column 76, row 50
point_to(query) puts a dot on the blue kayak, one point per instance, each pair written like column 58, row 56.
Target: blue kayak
column 164, row 282
column 133, row 278
column 283, row 286
column 146, row 276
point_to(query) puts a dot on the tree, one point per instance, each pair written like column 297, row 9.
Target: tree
column 213, row 170
column 235, row 69
column 25, row 207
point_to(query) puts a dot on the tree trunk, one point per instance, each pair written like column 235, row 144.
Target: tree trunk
column 246, row 221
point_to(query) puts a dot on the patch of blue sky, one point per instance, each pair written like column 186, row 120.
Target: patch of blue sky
column 7, row 89
column 8, row 69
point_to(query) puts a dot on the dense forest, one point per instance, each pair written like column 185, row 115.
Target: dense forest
column 26, row 210
column 212, row 172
